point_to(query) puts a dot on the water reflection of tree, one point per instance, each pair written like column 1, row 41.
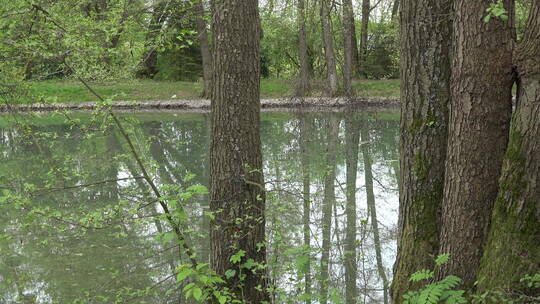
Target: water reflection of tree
column 296, row 167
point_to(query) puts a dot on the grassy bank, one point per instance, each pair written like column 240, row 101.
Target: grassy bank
column 73, row 91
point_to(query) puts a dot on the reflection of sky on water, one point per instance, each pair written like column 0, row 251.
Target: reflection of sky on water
column 110, row 261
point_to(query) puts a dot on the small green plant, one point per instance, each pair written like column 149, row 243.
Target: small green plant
column 442, row 291
column 526, row 294
column 496, row 10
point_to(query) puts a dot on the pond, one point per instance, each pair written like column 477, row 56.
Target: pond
column 79, row 225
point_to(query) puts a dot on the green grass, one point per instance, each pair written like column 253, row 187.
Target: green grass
column 377, row 88
column 73, row 91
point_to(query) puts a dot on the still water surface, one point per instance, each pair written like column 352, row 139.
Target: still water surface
column 78, row 226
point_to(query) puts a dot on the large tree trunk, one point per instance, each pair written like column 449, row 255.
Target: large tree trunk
column 205, row 48
column 302, row 88
column 366, row 9
column 368, row 175
column 329, row 55
column 352, row 140
column 237, row 196
column 425, row 94
column 348, row 49
column 513, row 247
column 332, row 126
column 305, row 135
column 480, row 110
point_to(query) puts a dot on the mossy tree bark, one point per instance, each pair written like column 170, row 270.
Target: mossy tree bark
column 352, row 141
column 513, row 246
column 481, row 105
column 329, row 53
column 237, row 196
column 332, row 127
column 425, row 64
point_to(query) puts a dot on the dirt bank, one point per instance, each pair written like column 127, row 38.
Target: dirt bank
column 203, row 105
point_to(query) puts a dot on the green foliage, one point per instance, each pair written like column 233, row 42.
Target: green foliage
column 442, row 291
column 496, row 10
column 382, row 60
column 527, row 293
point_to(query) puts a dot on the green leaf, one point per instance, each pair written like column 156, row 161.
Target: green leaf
column 201, row 266
column 230, row 273
column 442, row 259
column 184, row 274
column 487, row 18
column 237, row 257
column 198, row 189
column 197, row 293
column 222, row 299
column 423, row 274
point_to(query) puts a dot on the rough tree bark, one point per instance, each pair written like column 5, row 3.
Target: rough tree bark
column 205, row 48
column 332, row 127
column 329, row 55
column 481, row 105
column 302, row 88
column 425, row 65
column 352, row 141
column 237, row 196
column 348, row 49
column 368, row 175
column 366, row 10
column 305, row 134
column 513, row 246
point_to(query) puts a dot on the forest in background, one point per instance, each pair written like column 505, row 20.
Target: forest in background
column 161, row 39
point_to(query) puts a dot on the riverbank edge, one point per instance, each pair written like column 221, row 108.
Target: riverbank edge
column 203, row 105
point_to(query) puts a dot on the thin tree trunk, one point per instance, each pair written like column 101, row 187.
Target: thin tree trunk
column 425, row 94
column 395, row 8
column 302, row 88
column 356, row 56
column 366, row 9
column 513, row 247
column 236, row 180
column 305, row 134
column 329, row 55
column 149, row 59
column 352, row 140
column 348, row 66
column 478, row 132
column 332, row 126
column 368, row 175
column 205, row 48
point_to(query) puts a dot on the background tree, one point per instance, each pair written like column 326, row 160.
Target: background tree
column 205, row 47
column 348, row 46
column 303, row 57
column 366, row 10
column 329, row 54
